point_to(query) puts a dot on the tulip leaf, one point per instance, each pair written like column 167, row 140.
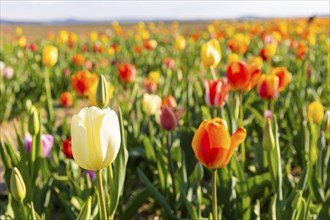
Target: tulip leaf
column 119, row 170
column 157, row 195
column 134, row 203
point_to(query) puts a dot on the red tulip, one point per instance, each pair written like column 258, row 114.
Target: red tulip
column 243, row 77
column 67, row 149
column 127, row 72
column 268, row 86
column 216, row 92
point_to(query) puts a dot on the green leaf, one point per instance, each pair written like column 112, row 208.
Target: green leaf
column 134, row 203
column 157, row 195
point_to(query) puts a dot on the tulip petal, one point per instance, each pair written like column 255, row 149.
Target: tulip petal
column 93, row 127
column 109, row 137
column 236, row 139
column 218, row 135
column 79, row 142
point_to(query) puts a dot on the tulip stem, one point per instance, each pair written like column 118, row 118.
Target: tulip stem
column 241, row 124
column 170, row 162
column 50, row 109
column 214, row 75
column 103, row 210
column 214, row 195
column 23, row 210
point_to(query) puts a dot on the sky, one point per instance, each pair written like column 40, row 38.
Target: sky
column 47, row 10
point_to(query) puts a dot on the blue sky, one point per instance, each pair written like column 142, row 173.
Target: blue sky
column 108, row 10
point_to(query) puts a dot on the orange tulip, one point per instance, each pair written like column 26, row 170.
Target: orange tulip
column 213, row 145
column 82, row 81
column 78, row 59
column 268, row 86
column 243, row 77
column 127, row 72
column 169, row 101
column 283, row 75
column 66, row 99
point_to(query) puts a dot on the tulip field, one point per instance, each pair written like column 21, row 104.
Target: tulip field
column 226, row 119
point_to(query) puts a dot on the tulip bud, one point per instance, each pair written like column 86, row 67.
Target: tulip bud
column 17, row 185
column 199, row 172
column 85, row 212
column 315, row 112
column 169, row 117
column 268, row 141
column 33, row 121
column 102, row 94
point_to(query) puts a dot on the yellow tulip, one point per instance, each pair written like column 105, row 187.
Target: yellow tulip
column 315, row 112
column 151, row 104
column 21, row 41
column 180, row 43
column 19, row 31
column 95, row 137
column 63, row 37
column 92, row 93
column 211, row 54
column 154, row 76
column 49, row 55
column 93, row 36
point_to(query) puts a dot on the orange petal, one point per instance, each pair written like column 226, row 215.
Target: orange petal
column 218, row 135
column 236, row 139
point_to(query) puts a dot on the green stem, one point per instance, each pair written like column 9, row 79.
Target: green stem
column 241, row 119
column 214, row 75
column 50, row 108
column 103, row 210
column 170, row 161
column 23, row 210
column 214, row 195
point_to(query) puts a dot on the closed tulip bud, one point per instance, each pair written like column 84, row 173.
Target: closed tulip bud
column 213, row 145
column 315, row 112
column 33, row 121
column 49, row 55
column 169, row 117
column 17, row 185
column 85, row 212
column 199, row 172
column 268, row 86
column 211, row 54
column 216, row 92
column 151, row 104
column 268, row 140
column 95, row 136
column 102, row 94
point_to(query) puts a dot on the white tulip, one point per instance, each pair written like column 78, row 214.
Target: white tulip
column 95, row 137
column 151, row 104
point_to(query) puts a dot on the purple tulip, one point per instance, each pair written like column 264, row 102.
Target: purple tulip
column 47, row 143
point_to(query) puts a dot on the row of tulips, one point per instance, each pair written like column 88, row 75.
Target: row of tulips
column 169, row 149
